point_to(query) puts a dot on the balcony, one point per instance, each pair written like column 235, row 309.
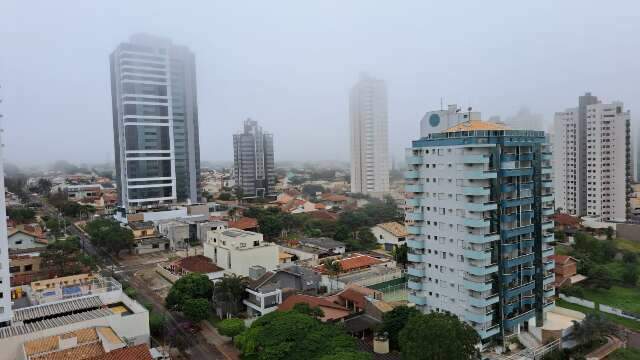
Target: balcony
column 488, row 332
column 476, row 223
column 479, row 174
column 411, row 174
column 548, row 238
column 414, row 160
column 477, row 254
column 415, row 244
column 546, row 252
column 417, row 299
column 546, row 156
column 549, row 279
column 510, row 233
column 520, row 289
column 549, row 265
column 525, row 157
column 547, row 211
column 523, row 259
column 479, row 317
column 511, row 322
column 507, row 188
column 526, row 186
column 414, row 285
column 506, row 218
column 529, row 300
column 550, row 292
column 547, row 198
column 516, row 202
column 417, row 258
column 479, row 286
column 414, row 229
column 414, row 216
column 528, row 271
column 481, row 238
column 414, row 188
column 482, row 270
column 546, row 170
column 516, row 172
column 480, row 206
column 482, row 301
column 418, row 271
column 475, row 159
column 547, row 225
column 415, row 202
column 476, row 190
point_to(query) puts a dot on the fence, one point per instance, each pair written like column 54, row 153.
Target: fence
column 604, row 308
column 578, row 301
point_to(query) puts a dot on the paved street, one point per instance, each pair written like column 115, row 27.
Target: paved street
column 198, row 346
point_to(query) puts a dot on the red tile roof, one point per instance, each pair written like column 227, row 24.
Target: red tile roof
column 566, row 220
column 334, row 197
column 562, row 259
column 323, row 215
column 198, row 264
column 312, row 301
column 354, row 262
column 138, row 352
column 244, row 223
column 356, row 295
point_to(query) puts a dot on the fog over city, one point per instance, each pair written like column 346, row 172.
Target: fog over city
column 290, row 65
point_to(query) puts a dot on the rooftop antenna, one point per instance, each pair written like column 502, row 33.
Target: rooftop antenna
column 469, row 110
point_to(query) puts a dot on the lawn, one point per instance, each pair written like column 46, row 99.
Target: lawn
column 619, row 297
column 628, row 245
column 625, row 354
column 628, row 323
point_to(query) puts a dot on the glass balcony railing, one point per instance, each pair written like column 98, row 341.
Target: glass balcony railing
column 411, row 174
column 475, row 159
column 514, row 320
column 520, row 289
column 417, row 299
column 477, row 285
column 418, row 271
column 417, row 258
column 487, row 332
column 416, row 244
column 414, row 285
column 414, row 229
column 476, row 223
column 414, row 216
column 549, row 251
column 480, row 206
column 480, row 174
column 523, row 259
column 477, row 254
column 482, row 302
column 482, row 270
column 476, row 190
column 481, row 238
column 414, row 160
column 414, row 188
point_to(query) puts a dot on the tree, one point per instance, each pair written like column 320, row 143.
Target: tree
column 229, row 292
column 110, row 235
column 44, row 186
column 630, row 276
column 448, row 338
column 304, row 308
column 188, row 287
column 224, row 196
column 560, row 235
column 196, row 309
column 347, row 356
column 295, row 336
column 270, row 226
column 63, row 255
column 400, row 254
column 609, row 232
column 231, row 327
column 21, row 215
column 157, row 323
column 630, row 257
column 593, row 327
column 312, row 190
column 395, row 320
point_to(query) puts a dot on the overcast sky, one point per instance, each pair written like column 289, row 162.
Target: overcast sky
column 290, row 64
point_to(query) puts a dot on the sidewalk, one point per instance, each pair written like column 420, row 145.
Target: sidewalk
column 613, row 344
column 223, row 343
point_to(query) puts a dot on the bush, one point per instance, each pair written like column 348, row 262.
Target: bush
column 156, row 324
column 231, row 327
column 197, row 309
column 575, row 291
column 131, row 292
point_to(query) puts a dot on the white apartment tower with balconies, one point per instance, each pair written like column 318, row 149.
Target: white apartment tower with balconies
column 592, row 159
column 369, row 137
column 5, row 282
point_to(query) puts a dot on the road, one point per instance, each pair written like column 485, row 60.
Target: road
column 197, row 346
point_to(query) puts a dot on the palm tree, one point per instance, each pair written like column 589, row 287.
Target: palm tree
column 333, row 268
column 229, row 292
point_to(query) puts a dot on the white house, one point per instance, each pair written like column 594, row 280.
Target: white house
column 237, row 250
column 390, row 234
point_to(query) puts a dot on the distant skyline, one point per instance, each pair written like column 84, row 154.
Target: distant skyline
column 290, row 66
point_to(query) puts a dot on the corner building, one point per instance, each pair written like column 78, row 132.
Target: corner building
column 480, row 201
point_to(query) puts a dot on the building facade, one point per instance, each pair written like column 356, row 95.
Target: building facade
column 5, row 283
column 155, row 122
column 253, row 161
column 237, row 251
column 369, row 137
column 593, row 160
column 479, row 201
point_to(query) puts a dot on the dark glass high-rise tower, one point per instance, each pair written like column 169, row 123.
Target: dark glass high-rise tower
column 155, row 122
column 253, row 161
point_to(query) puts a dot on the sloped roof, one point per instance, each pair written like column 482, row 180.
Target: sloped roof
column 137, row 352
column 244, row 223
column 395, row 228
column 474, row 125
column 198, row 264
column 323, row 215
column 565, row 220
column 312, row 301
column 357, row 261
column 334, row 197
column 562, row 259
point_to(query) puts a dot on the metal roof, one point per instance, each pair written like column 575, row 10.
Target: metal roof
column 47, row 310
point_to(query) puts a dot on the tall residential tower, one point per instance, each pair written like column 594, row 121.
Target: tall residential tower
column 253, row 161
column 479, row 205
column 369, row 138
column 592, row 159
column 155, row 122
column 5, row 277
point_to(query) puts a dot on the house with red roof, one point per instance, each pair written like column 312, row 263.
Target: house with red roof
column 331, row 310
